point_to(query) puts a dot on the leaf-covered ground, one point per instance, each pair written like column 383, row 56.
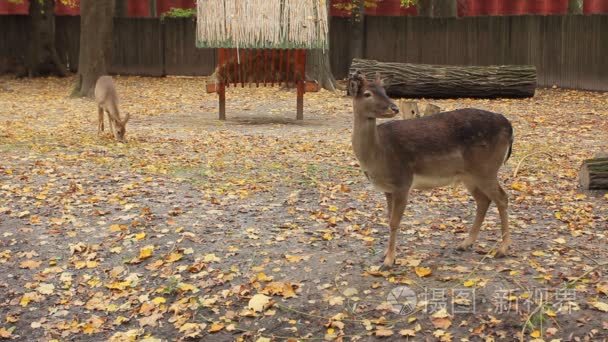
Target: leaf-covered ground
column 263, row 228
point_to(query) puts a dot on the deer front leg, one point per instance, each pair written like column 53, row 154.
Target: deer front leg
column 112, row 125
column 99, row 120
column 399, row 200
column 389, row 206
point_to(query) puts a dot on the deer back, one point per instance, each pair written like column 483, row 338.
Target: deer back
column 464, row 141
column 106, row 96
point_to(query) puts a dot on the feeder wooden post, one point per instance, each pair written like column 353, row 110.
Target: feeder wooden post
column 301, row 78
column 221, row 91
column 221, row 87
column 300, row 102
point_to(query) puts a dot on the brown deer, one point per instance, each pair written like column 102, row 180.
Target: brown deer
column 466, row 145
column 107, row 101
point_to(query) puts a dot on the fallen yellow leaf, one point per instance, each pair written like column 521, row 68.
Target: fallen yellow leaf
column 600, row 306
column 422, row 271
column 259, row 302
column 215, row 327
column 146, row 252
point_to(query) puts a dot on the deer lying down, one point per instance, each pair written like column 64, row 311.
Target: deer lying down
column 466, row 145
column 107, row 101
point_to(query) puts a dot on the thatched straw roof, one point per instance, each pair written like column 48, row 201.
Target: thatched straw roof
column 300, row 24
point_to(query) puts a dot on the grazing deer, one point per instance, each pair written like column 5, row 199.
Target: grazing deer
column 466, row 145
column 107, row 101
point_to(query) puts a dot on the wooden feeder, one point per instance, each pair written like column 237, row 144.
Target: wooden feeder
column 261, row 42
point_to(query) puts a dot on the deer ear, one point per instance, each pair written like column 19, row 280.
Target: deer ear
column 356, row 81
column 379, row 79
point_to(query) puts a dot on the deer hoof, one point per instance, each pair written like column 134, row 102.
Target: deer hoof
column 385, row 267
column 388, row 263
column 466, row 244
column 501, row 252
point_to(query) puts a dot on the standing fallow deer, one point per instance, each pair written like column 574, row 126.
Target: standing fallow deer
column 466, row 145
column 107, row 101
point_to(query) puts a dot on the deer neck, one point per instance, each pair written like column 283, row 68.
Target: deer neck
column 365, row 142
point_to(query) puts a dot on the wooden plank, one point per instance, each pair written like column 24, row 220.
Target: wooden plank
column 258, row 67
column 251, row 71
column 272, row 67
column 241, row 61
column 301, row 66
column 265, row 66
column 222, row 101
column 137, row 47
column 182, row 57
column 288, row 75
column 280, row 67
column 235, row 68
column 300, row 101
column 221, row 88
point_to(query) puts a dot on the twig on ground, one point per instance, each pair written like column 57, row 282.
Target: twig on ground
column 525, row 157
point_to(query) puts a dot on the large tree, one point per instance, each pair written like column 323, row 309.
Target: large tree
column 96, row 25
column 41, row 58
column 318, row 65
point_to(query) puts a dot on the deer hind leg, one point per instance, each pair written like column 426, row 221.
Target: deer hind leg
column 483, row 202
column 398, row 202
column 495, row 192
column 99, row 120
column 502, row 202
column 389, row 203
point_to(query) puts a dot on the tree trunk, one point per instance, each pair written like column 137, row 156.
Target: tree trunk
column 442, row 81
column 120, row 10
column 594, row 174
column 575, row 6
column 153, row 9
column 438, row 8
column 96, row 22
column 357, row 22
column 42, row 58
column 318, row 66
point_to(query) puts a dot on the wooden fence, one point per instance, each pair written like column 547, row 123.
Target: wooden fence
column 568, row 51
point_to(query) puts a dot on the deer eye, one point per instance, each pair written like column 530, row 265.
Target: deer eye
column 367, row 94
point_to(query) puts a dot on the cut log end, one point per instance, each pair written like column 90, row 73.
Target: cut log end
column 593, row 174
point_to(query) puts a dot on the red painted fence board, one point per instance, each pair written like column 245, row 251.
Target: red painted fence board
column 141, row 8
column 166, row 5
column 61, row 9
column 11, row 8
column 383, row 8
column 595, row 6
column 138, row 8
column 135, row 8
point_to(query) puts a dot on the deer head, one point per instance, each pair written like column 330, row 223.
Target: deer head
column 369, row 98
column 120, row 127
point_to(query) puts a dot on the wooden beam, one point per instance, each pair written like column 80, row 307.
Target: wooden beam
column 222, row 102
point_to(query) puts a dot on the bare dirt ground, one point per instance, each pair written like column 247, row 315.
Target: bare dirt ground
column 263, row 228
